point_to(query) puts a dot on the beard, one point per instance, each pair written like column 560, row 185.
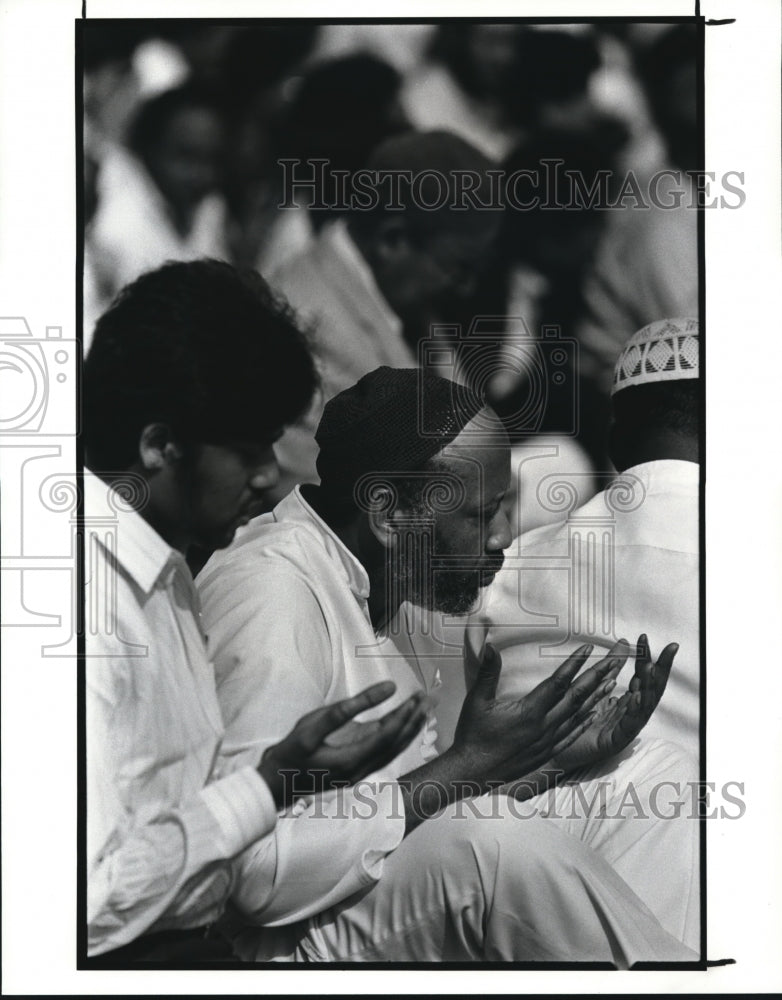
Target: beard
column 413, row 574
column 456, row 591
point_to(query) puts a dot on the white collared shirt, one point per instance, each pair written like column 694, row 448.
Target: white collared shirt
column 286, row 610
column 162, row 824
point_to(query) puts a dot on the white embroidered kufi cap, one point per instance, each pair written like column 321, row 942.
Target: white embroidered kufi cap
column 663, row 351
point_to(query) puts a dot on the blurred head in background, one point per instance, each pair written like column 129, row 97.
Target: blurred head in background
column 550, row 85
column 258, row 61
column 178, row 136
column 560, row 240
column 341, row 110
column 480, row 57
column 423, row 258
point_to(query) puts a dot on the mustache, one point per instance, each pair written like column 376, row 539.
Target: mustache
column 492, row 565
column 456, row 564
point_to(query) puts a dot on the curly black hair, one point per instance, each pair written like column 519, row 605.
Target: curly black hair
column 202, row 346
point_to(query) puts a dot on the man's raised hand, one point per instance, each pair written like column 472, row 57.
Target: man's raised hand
column 616, row 722
column 306, row 761
column 504, row 739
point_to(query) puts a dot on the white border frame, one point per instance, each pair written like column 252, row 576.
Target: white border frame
column 744, row 501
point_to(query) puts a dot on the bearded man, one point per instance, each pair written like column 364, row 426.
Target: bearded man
column 429, row 860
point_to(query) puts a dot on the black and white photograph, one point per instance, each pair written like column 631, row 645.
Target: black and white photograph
column 375, row 501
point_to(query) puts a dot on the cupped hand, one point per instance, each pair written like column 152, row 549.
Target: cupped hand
column 311, row 759
column 504, row 739
column 616, row 722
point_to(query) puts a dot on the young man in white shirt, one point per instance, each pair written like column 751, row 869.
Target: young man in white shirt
column 193, row 373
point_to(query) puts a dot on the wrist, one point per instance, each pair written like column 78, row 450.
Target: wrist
column 269, row 770
column 536, row 782
column 435, row 785
column 468, row 766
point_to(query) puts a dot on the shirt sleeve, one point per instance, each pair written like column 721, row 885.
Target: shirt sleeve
column 169, row 864
column 322, row 851
column 271, row 650
column 273, row 658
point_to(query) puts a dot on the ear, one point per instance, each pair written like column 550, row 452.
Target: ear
column 382, row 519
column 382, row 528
column 157, row 447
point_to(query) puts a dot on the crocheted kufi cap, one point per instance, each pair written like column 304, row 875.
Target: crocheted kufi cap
column 391, row 420
column 663, row 351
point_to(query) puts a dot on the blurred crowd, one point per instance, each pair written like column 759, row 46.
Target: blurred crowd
column 186, row 124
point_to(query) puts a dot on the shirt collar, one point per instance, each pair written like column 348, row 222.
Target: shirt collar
column 295, row 508
column 665, row 474
column 139, row 549
column 342, row 244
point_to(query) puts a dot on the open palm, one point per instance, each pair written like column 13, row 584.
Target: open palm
column 617, row 721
